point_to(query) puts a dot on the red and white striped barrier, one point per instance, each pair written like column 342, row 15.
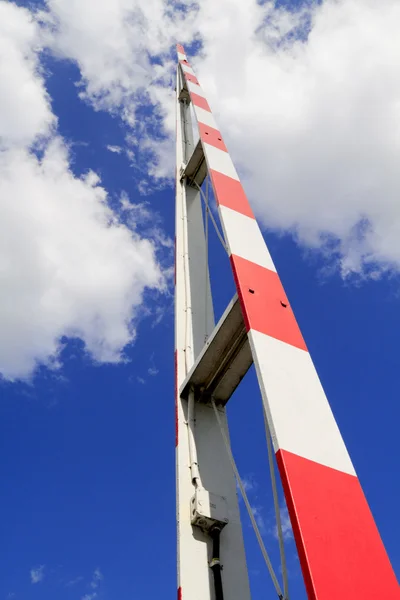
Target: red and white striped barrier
column 340, row 549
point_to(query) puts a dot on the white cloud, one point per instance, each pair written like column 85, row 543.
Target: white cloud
column 68, row 267
column 25, row 111
column 112, row 43
column 96, row 579
column 91, row 596
column 125, row 53
column 313, row 123
column 37, row 574
column 115, row 149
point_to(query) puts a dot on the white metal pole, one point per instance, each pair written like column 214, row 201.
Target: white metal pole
column 200, row 449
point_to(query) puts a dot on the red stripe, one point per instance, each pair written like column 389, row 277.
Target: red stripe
column 211, row 136
column 180, row 48
column 229, row 192
column 179, row 593
column 340, row 549
column 192, row 78
column 264, row 303
column 200, row 101
column 176, row 399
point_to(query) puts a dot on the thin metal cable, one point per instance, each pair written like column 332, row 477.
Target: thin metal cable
column 247, row 503
column 276, row 506
column 221, row 239
column 206, row 268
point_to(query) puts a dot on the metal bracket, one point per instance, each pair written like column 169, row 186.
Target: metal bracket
column 224, row 360
column 196, row 168
column 184, row 95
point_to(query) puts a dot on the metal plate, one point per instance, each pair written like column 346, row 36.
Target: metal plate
column 196, row 168
column 224, row 360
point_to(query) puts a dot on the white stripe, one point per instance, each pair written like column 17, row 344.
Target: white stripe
column 245, row 238
column 188, row 69
column 219, row 160
column 193, row 87
column 181, row 56
column 205, row 116
column 299, row 415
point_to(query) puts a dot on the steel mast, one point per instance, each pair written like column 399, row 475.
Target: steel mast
column 341, row 553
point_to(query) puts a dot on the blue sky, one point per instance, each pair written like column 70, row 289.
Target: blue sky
column 87, row 449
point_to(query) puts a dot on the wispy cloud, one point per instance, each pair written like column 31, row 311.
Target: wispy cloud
column 89, row 596
column 160, row 311
column 257, row 512
column 74, row 581
column 249, row 484
column 250, row 487
column 287, row 530
column 37, row 574
column 115, row 149
column 96, row 579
